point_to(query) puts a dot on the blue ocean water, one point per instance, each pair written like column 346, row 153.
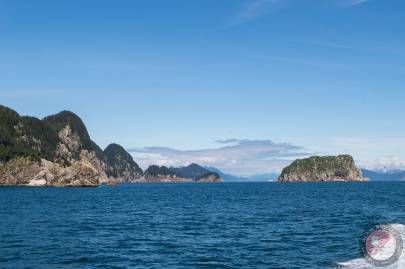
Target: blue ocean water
column 228, row 225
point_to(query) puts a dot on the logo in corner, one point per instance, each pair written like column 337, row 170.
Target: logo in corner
column 382, row 245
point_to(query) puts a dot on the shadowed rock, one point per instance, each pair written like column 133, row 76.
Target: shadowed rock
column 120, row 164
column 191, row 173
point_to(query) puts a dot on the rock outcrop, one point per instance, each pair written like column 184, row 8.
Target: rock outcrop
column 191, row 173
column 120, row 165
column 321, row 169
column 156, row 173
column 25, row 171
column 57, row 151
column 209, row 177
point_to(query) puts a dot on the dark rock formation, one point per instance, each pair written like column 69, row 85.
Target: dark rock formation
column 319, row 169
column 156, row 173
column 120, row 164
column 209, row 177
column 191, row 173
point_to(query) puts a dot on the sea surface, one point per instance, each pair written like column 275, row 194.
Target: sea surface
column 226, row 225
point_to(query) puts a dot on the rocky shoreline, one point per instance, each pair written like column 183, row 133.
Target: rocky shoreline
column 58, row 151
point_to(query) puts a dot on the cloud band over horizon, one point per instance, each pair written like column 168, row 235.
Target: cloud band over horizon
column 245, row 157
column 237, row 156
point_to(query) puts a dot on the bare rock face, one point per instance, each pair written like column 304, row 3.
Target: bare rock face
column 20, row 171
column 80, row 174
column 69, row 146
column 322, row 169
column 96, row 163
column 24, row 171
column 78, row 155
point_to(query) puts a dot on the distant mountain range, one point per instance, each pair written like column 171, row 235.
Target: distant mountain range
column 254, row 178
column 394, row 175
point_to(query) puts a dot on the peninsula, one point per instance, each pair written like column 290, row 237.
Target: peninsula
column 58, row 151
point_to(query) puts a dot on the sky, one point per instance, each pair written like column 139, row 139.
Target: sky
column 242, row 85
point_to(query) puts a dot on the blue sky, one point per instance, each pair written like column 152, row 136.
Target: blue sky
column 317, row 76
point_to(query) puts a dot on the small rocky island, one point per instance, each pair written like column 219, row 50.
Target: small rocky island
column 191, row 173
column 322, row 169
column 58, row 151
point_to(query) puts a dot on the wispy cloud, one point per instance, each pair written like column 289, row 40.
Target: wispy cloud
column 237, row 156
column 253, row 9
column 256, row 8
column 352, row 2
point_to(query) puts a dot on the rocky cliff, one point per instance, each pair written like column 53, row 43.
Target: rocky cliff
column 191, row 173
column 57, row 151
column 319, row 169
column 120, row 164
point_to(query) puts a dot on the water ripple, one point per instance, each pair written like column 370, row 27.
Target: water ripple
column 258, row 225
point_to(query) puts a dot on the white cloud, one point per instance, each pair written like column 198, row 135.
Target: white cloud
column 237, row 156
column 387, row 163
column 248, row 157
column 363, row 148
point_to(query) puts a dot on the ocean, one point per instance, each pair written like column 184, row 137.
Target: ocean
column 193, row 225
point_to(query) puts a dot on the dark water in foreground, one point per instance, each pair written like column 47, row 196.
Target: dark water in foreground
column 229, row 225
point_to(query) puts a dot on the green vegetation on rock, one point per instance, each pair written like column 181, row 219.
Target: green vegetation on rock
column 155, row 171
column 120, row 163
column 56, row 151
column 25, row 137
column 192, row 172
column 328, row 168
